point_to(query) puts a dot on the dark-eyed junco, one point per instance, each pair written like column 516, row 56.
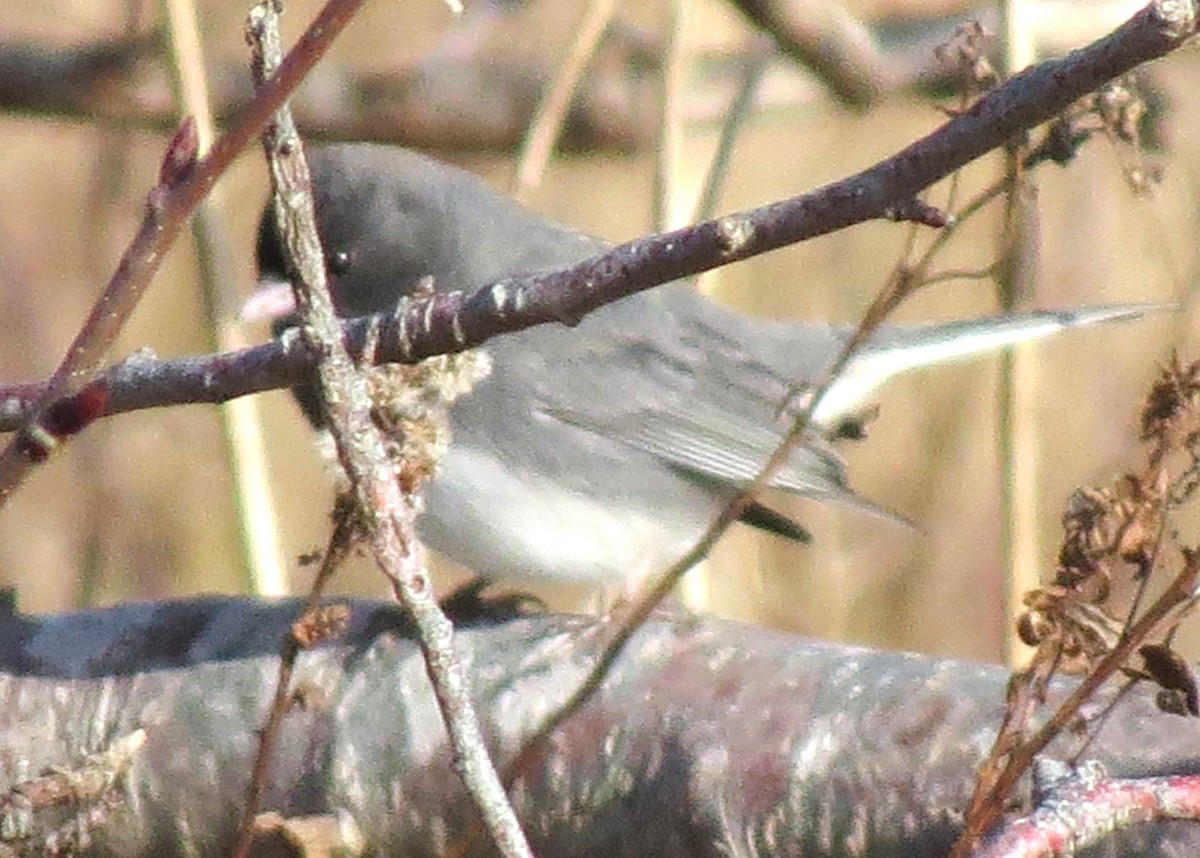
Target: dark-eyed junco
column 597, row 454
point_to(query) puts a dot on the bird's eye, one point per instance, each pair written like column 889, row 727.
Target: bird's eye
column 339, row 262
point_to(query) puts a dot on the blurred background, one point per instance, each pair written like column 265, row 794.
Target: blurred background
column 142, row 506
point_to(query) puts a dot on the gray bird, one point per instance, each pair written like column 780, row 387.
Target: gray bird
column 597, row 454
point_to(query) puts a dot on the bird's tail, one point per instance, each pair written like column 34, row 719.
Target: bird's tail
column 898, row 350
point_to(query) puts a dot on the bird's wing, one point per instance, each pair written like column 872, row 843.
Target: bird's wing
column 697, row 401
column 705, row 445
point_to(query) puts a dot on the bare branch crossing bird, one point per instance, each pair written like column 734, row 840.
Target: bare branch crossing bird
column 598, row 454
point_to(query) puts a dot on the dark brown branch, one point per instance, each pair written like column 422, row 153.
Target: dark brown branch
column 452, row 321
column 822, row 35
column 1021, row 103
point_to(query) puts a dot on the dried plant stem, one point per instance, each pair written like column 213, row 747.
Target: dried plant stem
column 340, row 543
column 1012, row 758
column 1017, row 431
column 665, row 194
column 1018, row 438
column 547, row 122
column 754, row 68
column 241, row 419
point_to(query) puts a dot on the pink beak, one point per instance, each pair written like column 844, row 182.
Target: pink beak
column 273, row 299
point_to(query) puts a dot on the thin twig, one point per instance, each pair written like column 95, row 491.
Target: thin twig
column 451, row 321
column 340, row 542
column 91, row 782
column 889, row 297
column 184, row 180
column 384, row 510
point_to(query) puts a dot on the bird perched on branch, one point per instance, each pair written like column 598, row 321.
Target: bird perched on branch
column 597, row 454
